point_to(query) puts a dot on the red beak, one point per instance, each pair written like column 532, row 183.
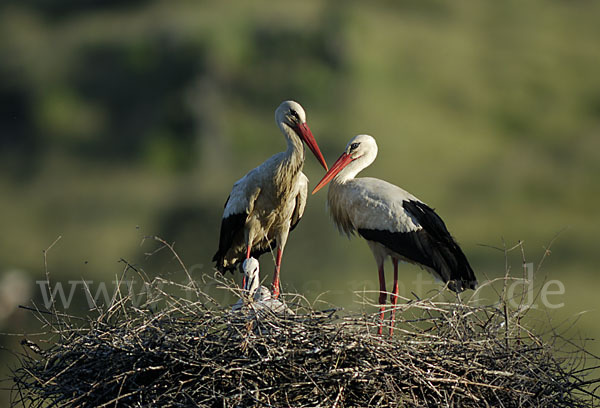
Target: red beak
column 340, row 163
column 306, row 135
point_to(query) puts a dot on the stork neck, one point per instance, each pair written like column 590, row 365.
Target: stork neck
column 291, row 163
column 295, row 148
column 351, row 170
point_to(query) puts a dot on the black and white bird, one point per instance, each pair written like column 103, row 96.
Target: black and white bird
column 255, row 296
column 267, row 203
column 394, row 222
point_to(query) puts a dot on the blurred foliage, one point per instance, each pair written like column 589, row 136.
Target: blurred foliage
column 122, row 119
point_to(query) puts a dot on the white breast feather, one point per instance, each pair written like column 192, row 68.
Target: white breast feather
column 371, row 203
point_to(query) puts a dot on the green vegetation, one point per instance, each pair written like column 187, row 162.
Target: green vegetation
column 120, row 120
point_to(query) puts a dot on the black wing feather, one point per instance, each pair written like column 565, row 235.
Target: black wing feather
column 432, row 246
column 447, row 255
column 296, row 214
column 230, row 227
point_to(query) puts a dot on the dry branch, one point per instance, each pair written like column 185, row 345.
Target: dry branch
column 192, row 351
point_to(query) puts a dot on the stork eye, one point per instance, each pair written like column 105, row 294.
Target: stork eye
column 354, row 146
column 294, row 114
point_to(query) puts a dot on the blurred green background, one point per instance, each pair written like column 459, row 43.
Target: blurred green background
column 125, row 119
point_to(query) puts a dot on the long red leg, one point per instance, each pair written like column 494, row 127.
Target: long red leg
column 275, row 286
column 247, row 256
column 382, row 297
column 394, row 295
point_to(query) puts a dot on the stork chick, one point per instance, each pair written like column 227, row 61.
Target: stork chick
column 259, row 296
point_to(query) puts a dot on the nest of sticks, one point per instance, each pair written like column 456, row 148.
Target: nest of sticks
column 192, row 351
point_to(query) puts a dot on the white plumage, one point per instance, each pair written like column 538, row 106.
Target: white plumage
column 394, row 222
column 268, row 202
column 379, row 206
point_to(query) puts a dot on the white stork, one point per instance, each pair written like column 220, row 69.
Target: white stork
column 394, row 222
column 268, row 202
column 260, row 296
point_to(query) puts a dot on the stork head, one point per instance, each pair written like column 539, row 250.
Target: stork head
column 291, row 115
column 250, row 268
column 360, row 152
